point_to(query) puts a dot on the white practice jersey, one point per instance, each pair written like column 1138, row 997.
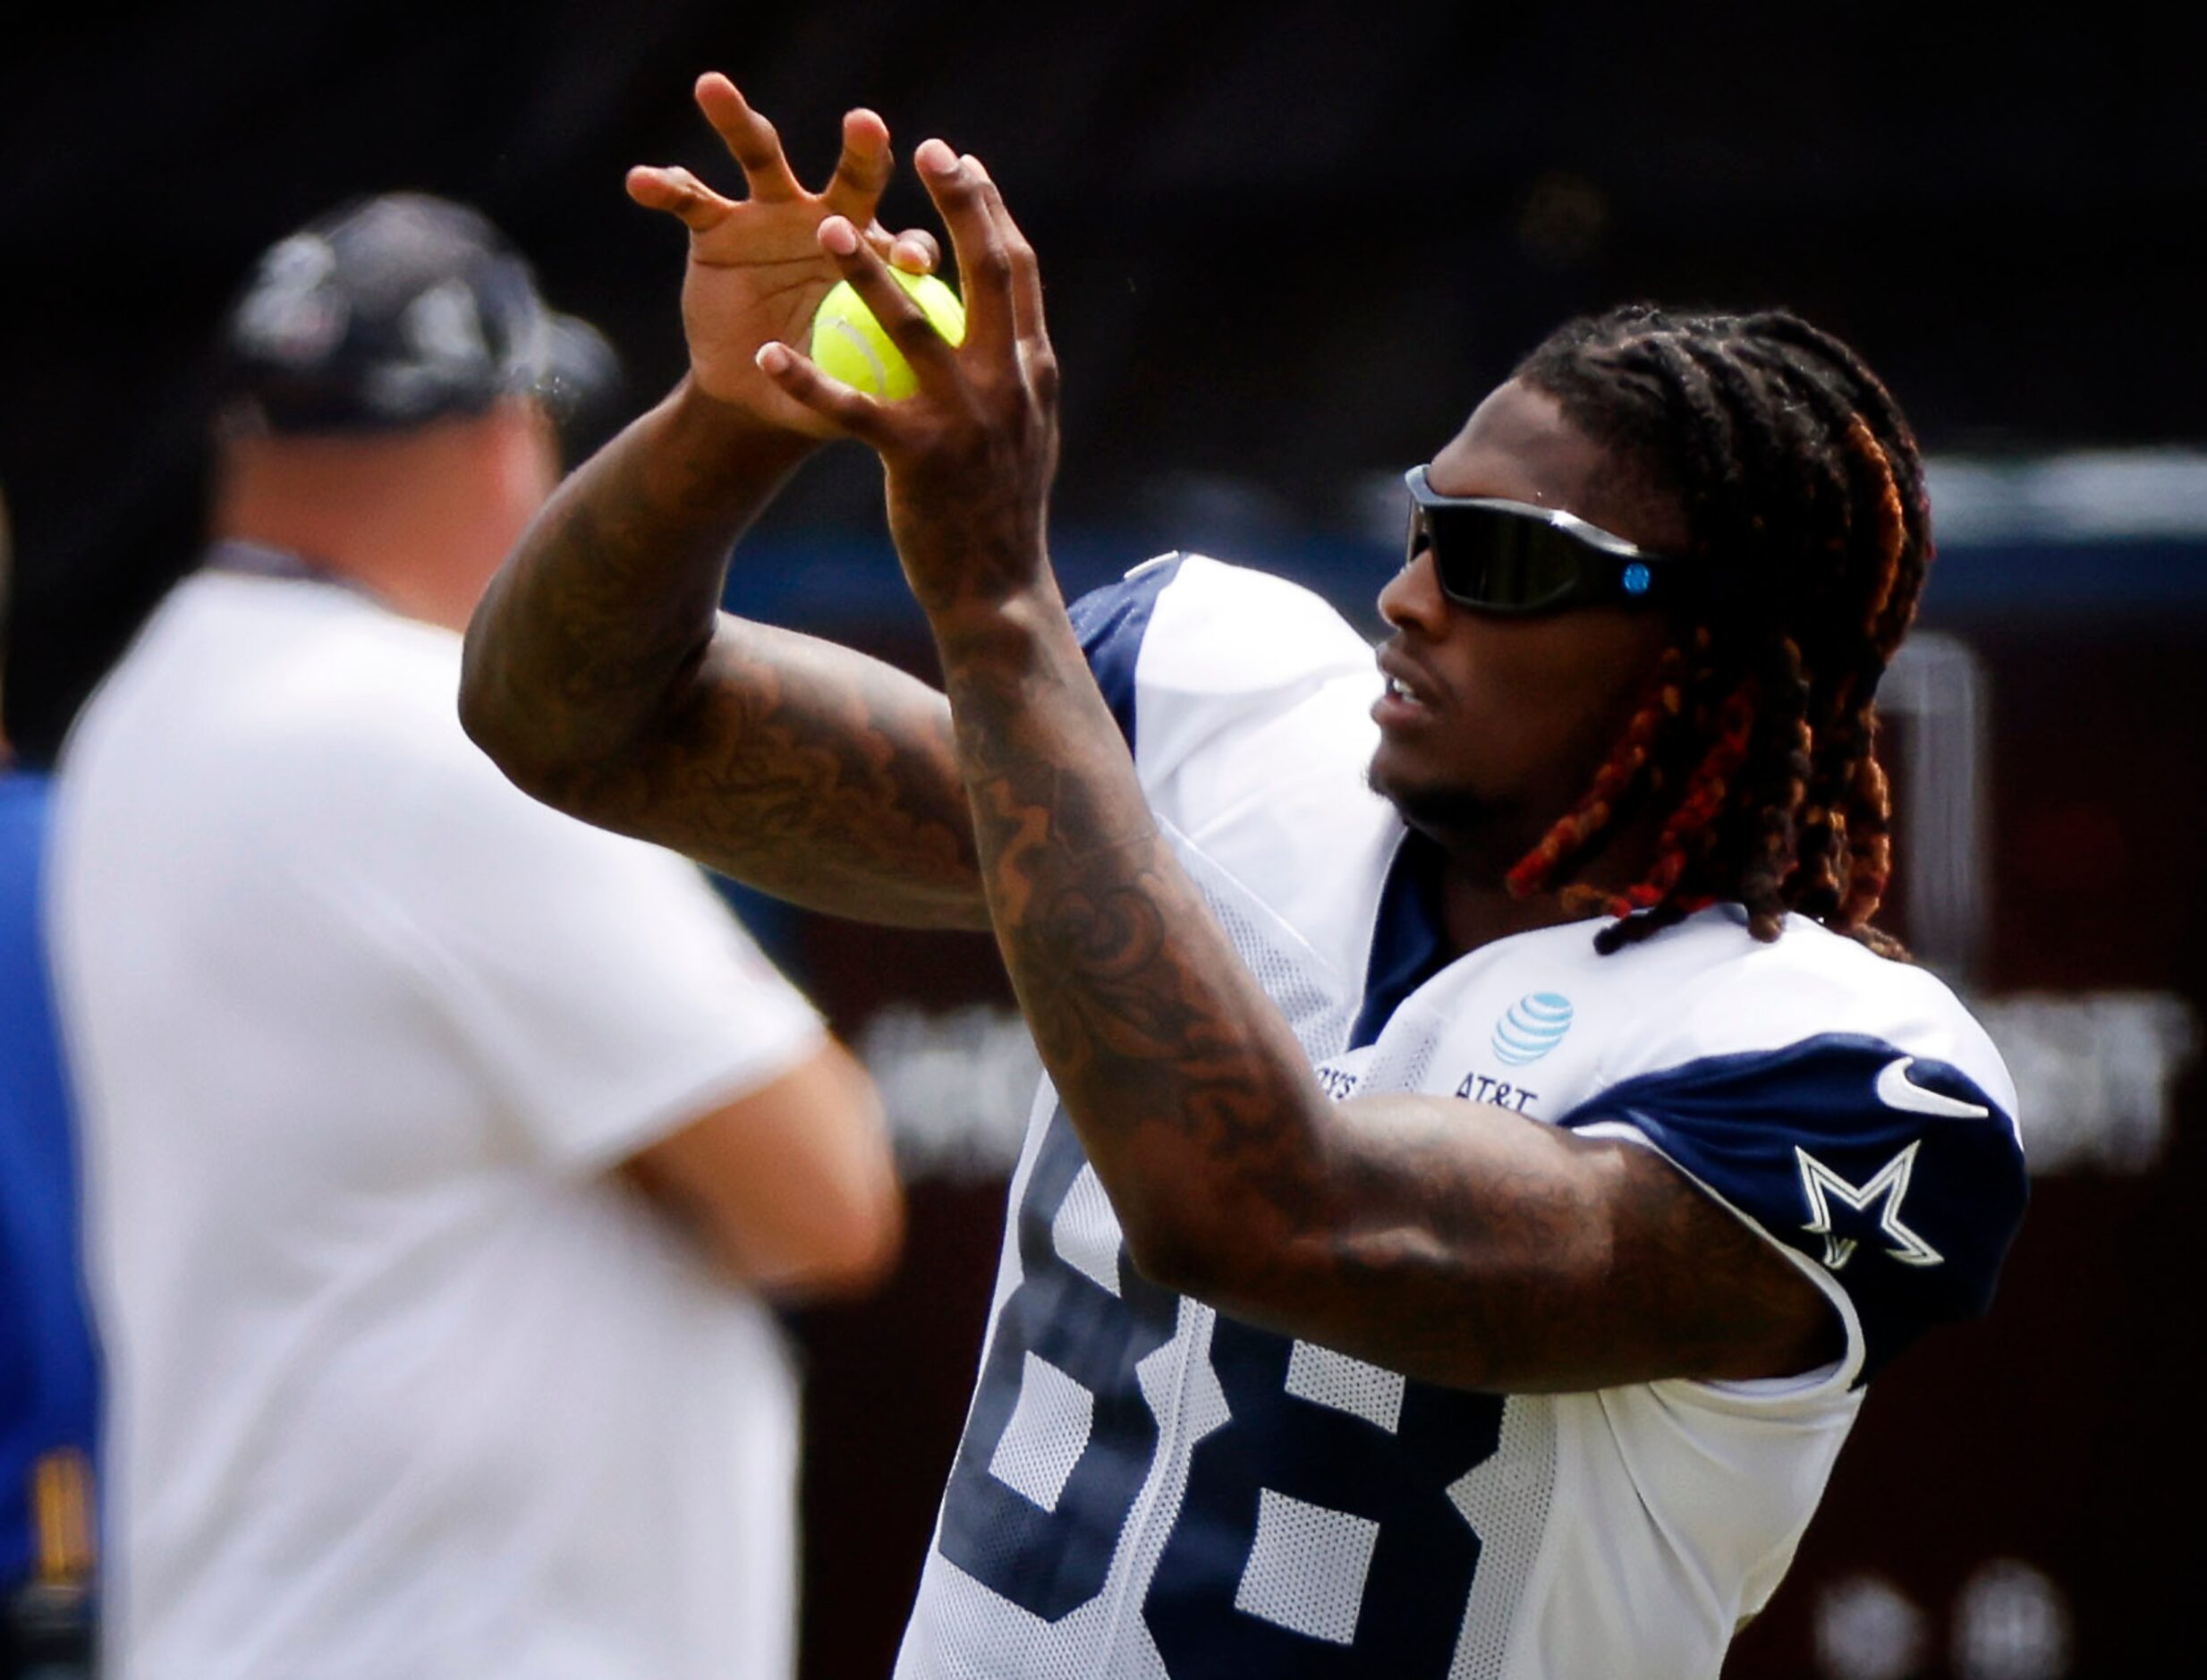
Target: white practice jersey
column 1149, row 1488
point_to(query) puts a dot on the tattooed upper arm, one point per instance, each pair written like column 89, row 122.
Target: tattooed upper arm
column 1710, row 1295
column 1470, row 1246
column 813, row 772
column 600, row 676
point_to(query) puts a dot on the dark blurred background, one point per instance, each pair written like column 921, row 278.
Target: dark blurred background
column 1288, row 246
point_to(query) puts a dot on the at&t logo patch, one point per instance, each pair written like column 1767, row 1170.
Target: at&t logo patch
column 1531, row 1027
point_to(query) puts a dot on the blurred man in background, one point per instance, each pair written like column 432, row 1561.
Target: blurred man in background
column 47, row 1373
column 439, row 1148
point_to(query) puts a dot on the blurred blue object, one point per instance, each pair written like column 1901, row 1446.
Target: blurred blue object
column 47, row 1370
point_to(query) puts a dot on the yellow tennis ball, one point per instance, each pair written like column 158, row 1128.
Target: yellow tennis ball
column 849, row 344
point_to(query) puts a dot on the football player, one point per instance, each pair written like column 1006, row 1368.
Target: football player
column 1488, row 1145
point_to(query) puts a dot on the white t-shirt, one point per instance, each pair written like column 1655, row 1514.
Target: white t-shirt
column 403, row 1382
column 1150, row 1489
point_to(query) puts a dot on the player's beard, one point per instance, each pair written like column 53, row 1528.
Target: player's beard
column 1486, row 837
column 1457, row 818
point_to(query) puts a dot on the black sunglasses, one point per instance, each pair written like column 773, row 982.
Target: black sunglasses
column 1498, row 556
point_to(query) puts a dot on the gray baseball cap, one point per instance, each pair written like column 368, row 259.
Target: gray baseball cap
column 390, row 312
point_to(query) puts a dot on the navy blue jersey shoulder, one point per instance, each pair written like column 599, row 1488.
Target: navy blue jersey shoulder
column 1409, row 945
column 1897, row 1173
column 1111, row 622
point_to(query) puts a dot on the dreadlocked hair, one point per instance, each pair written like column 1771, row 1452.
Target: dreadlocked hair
column 1803, row 496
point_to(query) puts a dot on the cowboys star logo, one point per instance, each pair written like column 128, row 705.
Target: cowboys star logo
column 1889, row 1184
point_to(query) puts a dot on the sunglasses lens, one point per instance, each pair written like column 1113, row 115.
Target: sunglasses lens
column 1499, row 560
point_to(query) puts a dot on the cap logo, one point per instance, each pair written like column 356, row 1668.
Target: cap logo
column 395, row 311
column 443, row 324
column 293, row 315
column 1531, row 1027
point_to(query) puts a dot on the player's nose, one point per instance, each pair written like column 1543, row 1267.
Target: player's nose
column 1412, row 598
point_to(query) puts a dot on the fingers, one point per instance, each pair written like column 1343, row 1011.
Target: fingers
column 984, row 265
column 679, row 194
column 850, row 412
column 1026, row 273
column 751, row 140
column 863, row 169
column 914, row 250
column 917, row 251
column 906, row 324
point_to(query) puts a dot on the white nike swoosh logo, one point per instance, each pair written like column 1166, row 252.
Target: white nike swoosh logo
column 1896, row 1090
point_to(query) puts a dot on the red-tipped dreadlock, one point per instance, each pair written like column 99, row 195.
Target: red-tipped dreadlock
column 1804, row 495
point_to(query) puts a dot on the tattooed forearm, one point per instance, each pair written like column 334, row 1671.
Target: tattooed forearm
column 807, row 770
column 1458, row 1242
column 1194, row 1100
column 602, row 677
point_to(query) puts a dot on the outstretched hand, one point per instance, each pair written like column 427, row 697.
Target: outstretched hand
column 757, row 270
column 970, row 456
